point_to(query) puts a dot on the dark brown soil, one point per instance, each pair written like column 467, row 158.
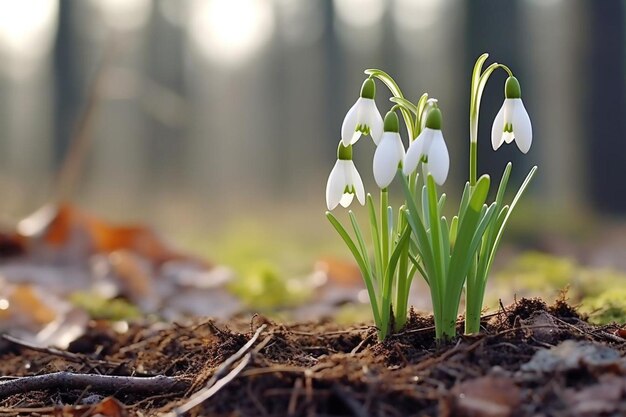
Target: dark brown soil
column 321, row 369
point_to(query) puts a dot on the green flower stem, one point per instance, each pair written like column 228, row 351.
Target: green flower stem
column 378, row 261
column 473, row 162
column 403, row 278
column 402, row 290
column 479, row 80
column 385, row 278
column 384, row 226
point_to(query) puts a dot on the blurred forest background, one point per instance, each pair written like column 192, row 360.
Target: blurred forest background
column 217, row 120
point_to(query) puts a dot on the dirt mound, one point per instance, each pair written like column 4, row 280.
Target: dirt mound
column 521, row 364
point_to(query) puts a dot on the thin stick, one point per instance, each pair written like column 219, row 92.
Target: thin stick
column 68, row 356
column 207, row 392
column 99, row 383
column 234, row 358
column 214, row 385
column 293, row 399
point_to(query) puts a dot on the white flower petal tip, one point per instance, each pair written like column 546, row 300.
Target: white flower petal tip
column 344, row 182
column 387, row 157
column 522, row 128
column 438, row 158
column 430, row 149
column 512, row 123
column 363, row 118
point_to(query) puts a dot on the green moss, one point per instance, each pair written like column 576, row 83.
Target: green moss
column 101, row 308
column 544, row 275
column 607, row 307
column 539, row 271
column 264, row 287
column 351, row 313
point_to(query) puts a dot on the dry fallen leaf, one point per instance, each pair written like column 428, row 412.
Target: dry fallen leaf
column 603, row 398
column 63, row 226
column 67, row 252
column 27, row 308
column 107, row 407
column 487, row 396
column 541, row 326
column 571, row 355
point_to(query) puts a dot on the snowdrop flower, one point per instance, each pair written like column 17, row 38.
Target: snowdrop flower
column 344, row 180
column 512, row 121
column 389, row 153
column 429, row 148
column 363, row 117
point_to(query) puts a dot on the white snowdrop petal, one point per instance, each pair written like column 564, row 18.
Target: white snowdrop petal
column 346, row 199
column 415, row 152
column 357, row 182
column 348, row 126
column 438, row 158
column 497, row 129
column 509, row 108
column 508, row 137
column 335, row 185
column 373, row 119
column 399, row 148
column 386, row 160
column 522, row 127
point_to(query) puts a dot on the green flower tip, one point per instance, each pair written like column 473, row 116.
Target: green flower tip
column 368, row 89
column 392, row 124
column 512, row 88
column 433, row 120
column 344, row 152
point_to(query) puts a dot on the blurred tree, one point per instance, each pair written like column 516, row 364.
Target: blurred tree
column 67, row 81
column 606, row 106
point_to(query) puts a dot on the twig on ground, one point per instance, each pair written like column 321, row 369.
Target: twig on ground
column 360, row 345
column 293, row 398
column 209, row 391
column 235, row 357
column 215, row 383
column 98, row 383
column 263, row 344
column 68, row 356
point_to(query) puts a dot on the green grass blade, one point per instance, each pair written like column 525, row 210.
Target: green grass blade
column 389, row 274
column 454, row 224
column 417, row 226
column 360, row 261
column 504, row 181
column 378, row 262
column 442, row 203
column 425, row 209
column 519, row 194
column 467, row 191
column 360, row 241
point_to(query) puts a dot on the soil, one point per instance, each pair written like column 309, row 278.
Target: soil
column 322, row 369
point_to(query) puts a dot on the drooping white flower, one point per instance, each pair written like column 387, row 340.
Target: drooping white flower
column 429, row 148
column 363, row 117
column 344, row 181
column 389, row 153
column 512, row 121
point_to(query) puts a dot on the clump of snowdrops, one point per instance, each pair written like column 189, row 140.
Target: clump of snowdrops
column 450, row 254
